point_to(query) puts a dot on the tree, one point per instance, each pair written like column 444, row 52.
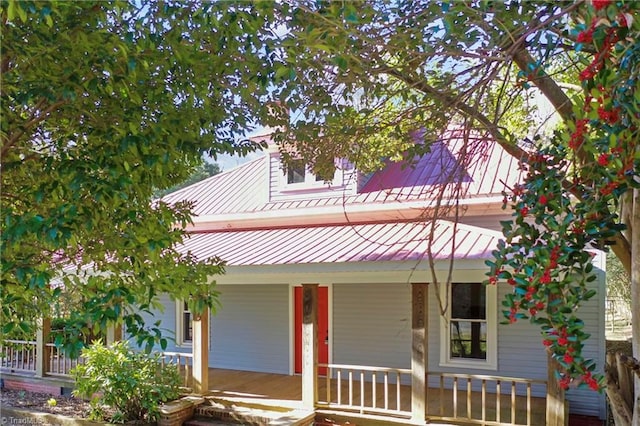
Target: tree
column 364, row 78
column 203, row 171
column 102, row 103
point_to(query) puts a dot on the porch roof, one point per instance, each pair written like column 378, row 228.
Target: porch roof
column 368, row 242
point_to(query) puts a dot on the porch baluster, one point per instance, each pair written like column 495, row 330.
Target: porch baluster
column 373, row 388
column 469, row 397
column 455, row 397
column 484, row 400
column 340, row 386
column 361, row 392
column 498, row 401
column 513, row 402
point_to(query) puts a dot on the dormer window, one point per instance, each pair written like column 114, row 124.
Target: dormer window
column 298, row 174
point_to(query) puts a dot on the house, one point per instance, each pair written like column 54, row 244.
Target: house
column 363, row 243
column 371, row 285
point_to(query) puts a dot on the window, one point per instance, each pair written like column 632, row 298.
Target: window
column 184, row 324
column 469, row 332
column 296, row 172
column 298, row 175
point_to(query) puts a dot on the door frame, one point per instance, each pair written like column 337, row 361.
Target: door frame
column 292, row 325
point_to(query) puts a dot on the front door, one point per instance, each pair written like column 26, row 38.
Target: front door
column 323, row 329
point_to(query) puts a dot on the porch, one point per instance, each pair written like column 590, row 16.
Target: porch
column 367, row 391
column 347, row 391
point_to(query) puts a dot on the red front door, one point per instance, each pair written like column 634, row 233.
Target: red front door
column 323, row 328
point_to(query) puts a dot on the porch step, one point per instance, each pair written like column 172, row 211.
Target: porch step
column 220, row 412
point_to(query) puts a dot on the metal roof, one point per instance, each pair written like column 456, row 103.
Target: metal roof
column 371, row 242
column 244, row 189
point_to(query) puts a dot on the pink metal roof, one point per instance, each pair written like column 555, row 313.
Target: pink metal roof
column 246, row 188
column 372, row 242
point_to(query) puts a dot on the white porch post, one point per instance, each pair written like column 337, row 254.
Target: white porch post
column 200, row 351
column 43, row 352
column 419, row 351
column 309, row 345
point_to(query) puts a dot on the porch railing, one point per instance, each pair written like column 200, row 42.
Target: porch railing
column 59, row 364
column 183, row 360
column 486, row 400
column 366, row 389
column 18, row 356
column 451, row 397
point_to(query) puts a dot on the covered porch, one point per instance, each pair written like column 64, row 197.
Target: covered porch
column 413, row 395
column 343, row 392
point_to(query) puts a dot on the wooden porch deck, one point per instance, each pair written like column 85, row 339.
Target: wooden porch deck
column 245, row 388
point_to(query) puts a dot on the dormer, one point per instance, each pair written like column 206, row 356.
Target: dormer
column 296, row 180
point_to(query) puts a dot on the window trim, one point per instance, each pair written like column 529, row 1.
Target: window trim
column 310, row 180
column 180, row 311
column 491, row 362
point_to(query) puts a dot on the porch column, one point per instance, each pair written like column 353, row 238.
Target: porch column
column 419, row 354
column 556, row 407
column 309, row 345
column 43, row 352
column 200, row 351
column 113, row 334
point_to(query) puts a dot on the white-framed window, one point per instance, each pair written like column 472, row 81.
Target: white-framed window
column 298, row 175
column 469, row 334
column 184, row 324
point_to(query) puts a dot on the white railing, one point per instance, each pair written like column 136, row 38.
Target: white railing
column 183, row 360
column 60, row 365
column 18, row 356
column 486, row 400
column 366, row 389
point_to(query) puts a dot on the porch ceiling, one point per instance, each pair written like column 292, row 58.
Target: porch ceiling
column 371, row 242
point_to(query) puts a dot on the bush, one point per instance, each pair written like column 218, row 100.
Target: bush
column 130, row 382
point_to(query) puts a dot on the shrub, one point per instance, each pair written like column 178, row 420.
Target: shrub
column 130, row 382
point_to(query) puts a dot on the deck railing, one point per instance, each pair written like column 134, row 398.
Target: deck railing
column 18, row 356
column 366, row 389
column 59, row 364
column 183, row 360
column 486, row 400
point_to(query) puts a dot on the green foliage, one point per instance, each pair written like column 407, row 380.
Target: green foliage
column 561, row 213
column 618, row 282
column 104, row 103
column 203, row 171
column 364, row 76
column 130, row 382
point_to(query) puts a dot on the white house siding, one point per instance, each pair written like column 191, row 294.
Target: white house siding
column 372, row 324
column 250, row 331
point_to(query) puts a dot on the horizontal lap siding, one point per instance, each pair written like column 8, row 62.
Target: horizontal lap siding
column 250, row 331
column 167, row 318
column 371, row 325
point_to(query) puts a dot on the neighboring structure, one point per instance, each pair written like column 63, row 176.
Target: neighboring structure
column 365, row 241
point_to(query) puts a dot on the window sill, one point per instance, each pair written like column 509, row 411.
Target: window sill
column 293, row 188
column 477, row 365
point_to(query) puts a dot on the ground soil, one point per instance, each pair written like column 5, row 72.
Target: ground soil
column 42, row 402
